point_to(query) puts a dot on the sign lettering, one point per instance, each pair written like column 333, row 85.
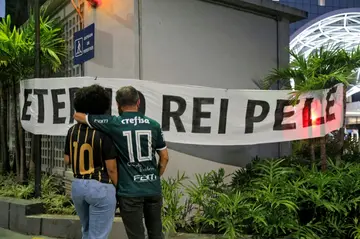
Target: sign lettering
column 192, row 115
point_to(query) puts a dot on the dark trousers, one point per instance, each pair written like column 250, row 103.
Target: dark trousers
column 134, row 209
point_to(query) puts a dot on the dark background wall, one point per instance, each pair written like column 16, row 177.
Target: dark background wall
column 314, row 9
column 19, row 10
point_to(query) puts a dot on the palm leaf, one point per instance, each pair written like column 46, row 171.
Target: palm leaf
column 322, row 68
column 17, row 47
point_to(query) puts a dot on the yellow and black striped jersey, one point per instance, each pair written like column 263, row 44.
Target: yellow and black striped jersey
column 88, row 149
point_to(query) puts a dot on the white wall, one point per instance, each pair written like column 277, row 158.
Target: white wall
column 189, row 42
column 116, row 40
column 194, row 42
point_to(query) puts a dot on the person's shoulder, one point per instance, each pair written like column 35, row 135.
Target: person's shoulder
column 152, row 122
column 71, row 129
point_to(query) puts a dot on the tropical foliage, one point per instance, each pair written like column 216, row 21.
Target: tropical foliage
column 321, row 69
column 271, row 199
column 17, row 52
column 53, row 192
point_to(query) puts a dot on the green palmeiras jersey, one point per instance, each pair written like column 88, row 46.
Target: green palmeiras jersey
column 137, row 138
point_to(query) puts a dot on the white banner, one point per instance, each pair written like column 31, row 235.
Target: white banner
column 193, row 114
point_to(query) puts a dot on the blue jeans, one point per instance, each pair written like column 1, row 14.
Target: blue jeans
column 95, row 203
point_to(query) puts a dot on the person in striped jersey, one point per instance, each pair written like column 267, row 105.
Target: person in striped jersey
column 92, row 156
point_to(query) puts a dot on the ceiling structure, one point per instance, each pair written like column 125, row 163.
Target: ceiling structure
column 340, row 27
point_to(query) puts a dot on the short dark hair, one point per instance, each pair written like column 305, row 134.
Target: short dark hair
column 127, row 96
column 92, row 100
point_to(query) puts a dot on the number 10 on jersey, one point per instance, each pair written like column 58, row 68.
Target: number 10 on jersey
column 147, row 147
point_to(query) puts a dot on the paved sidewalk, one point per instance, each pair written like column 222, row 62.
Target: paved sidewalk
column 6, row 234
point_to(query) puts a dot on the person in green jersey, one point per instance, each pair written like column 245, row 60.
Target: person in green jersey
column 137, row 138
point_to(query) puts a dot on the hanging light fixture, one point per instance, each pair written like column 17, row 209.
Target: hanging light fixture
column 94, row 3
column 321, row 3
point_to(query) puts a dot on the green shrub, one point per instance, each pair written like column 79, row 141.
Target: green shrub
column 202, row 198
column 242, row 177
column 231, row 214
column 58, row 204
column 52, row 189
column 174, row 210
column 331, row 198
column 276, row 198
column 351, row 149
column 276, row 194
column 10, row 188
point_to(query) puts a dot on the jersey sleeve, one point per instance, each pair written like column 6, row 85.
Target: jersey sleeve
column 108, row 148
column 160, row 141
column 67, row 142
column 104, row 123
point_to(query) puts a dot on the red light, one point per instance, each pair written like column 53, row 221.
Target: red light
column 313, row 116
column 94, row 3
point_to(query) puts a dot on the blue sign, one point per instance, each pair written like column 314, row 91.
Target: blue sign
column 84, row 44
column 2, row 8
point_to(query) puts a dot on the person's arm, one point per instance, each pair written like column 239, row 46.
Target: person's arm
column 67, row 159
column 164, row 159
column 111, row 166
column 67, row 147
column 109, row 155
column 104, row 123
column 80, row 117
column 162, row 151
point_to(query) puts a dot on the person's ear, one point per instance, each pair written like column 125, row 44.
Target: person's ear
column 138, row 103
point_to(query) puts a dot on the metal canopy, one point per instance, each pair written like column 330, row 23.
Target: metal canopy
column 340, row 27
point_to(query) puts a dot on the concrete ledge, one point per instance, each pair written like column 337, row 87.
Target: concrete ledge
column 18, row 210
column 18, row 215
column 59, row 226
column 26, row 217
column 5, row 214
column 63, row 226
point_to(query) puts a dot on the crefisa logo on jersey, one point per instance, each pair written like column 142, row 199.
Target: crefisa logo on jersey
column 135, row 121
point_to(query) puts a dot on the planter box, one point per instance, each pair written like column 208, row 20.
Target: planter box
column 5, row 212
column 26, row 217
column 58, row 226
column 63, row 226
column 15, row 214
